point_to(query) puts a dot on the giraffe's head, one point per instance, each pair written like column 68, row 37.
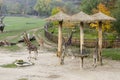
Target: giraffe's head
column 73, row 30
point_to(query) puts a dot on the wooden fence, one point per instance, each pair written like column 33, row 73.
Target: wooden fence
column 90, row 43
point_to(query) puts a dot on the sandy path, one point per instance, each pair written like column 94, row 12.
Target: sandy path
column 47, row 68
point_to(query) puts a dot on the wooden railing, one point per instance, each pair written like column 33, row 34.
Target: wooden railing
column 87, row 42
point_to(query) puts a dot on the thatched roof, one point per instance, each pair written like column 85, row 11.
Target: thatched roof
column 81, row 17
column 102, row 17
column 58, row 17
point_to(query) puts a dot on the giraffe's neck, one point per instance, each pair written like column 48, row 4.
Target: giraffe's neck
column 69, row 39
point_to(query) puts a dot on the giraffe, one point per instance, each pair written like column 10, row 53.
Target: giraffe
column 39, row 40
column 30, row 46
column 2, row 25
column 68, row 43
column 65, row 46
column 95, row 54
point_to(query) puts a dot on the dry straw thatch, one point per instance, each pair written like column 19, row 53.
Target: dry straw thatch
column 81, row 17
column 102, row 17
column 59, row 17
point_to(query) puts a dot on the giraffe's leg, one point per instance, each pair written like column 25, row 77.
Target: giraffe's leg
column 94, row 62
column 62, row 58
column 36, row 54
column 29, row 57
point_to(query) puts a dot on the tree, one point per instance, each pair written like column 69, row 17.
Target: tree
column 1, row 2
column 14, row 9
column 116, row 14
column 70, row 8
column 57, row 3
column 55, row 10
column 43, row 7
column 18, row 6
column 106, row 26
column 88, row 5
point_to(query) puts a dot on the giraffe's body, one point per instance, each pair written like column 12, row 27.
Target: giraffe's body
column 65, row 46
column 2, row 24
column 30, row 47
column 95, row 54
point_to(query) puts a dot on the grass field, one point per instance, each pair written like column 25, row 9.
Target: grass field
column 16, row 25
column 22, row 23
column 111, row 53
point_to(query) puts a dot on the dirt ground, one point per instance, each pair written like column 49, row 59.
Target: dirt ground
column 47, row 68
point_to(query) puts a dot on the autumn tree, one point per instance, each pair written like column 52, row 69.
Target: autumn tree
column 88, row 5
column 106, row 26
column 55, row 10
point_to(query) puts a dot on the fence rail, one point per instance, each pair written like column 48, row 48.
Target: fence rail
column 87, row 42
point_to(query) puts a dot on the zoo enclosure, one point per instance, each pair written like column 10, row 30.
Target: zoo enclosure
column 90, row 43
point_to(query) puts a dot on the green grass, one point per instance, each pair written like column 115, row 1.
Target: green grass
column 23, row 79
column 22, row 23
column 11, row 65
column 16, row 25
column 112, row 53
column 11, row 48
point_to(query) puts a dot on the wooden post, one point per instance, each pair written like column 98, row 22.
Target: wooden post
column 60, row 39
column 81, row 42
column 81, row 66
column 81, row 36
column 100, row 42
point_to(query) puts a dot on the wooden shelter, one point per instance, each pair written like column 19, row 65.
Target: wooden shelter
column 100, row 17
column 60, row 17
column 82, row 18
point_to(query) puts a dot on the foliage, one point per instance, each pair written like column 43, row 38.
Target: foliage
column 18, row 6
column 88, row 5
column 106, row 26
column 70, row 8
column 56, row 3
column 36, row 7
column 69, row 25
column 116, row 14
column 55, row 10
column 1, row 3
column 43, row 7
